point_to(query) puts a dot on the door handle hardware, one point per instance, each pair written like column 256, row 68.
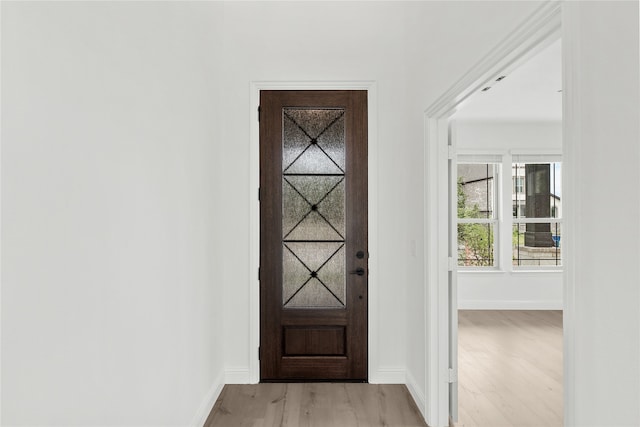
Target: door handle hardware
column 359, row 271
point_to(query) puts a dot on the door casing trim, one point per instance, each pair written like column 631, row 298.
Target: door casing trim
column 254, row 212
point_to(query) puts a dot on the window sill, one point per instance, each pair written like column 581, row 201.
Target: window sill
column 482, row 271
column 514, row 271
column 536, row 271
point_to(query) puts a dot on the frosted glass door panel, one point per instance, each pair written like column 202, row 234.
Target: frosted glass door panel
column 313, row 207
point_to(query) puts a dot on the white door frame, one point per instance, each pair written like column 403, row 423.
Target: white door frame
column 254, row 213
column 540, row 28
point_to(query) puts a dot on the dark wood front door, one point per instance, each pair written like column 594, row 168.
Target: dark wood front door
column 313, row 235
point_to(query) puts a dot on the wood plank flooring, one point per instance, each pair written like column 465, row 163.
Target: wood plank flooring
column 510, row 375
column 315, row 405
column 510, row 368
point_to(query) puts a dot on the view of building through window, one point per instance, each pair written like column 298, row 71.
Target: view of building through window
column 536, row 214
column 537, row 208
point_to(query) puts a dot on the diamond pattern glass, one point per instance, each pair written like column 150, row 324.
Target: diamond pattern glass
column 313, row 206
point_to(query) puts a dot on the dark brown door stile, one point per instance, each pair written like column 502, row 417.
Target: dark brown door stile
column 313, row 235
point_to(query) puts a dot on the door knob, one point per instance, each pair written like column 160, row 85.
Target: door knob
column 359, row 271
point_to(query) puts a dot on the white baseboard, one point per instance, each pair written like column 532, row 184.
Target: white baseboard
column 207, row 403
column 509, row 305
column 388, row 375
column 418, row 394
column 237, row 375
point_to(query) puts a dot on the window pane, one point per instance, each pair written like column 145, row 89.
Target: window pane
column 537, row 245
column 476, row 190
column 537, row 190
column 476, row 245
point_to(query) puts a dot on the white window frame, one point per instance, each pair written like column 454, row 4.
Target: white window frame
column 469, row 158
column 518, row 184
column 504, row 220
column 532, row 158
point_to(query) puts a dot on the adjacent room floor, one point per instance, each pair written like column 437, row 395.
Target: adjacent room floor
column 510, row 368
column 315, row 405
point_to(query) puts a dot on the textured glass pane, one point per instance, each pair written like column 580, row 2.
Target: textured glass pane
column 294, row 208
column 313, row 206
column 295, row 274
column 313, row 270
column 332, row 142
column 332, row 208
column 476, row 190
column 314, row 227
column 314, row 121
column 537, row 245
column 294, row 142
column 313, row 160
column 332, row 274
column 537, row 190
column 308, row 199
column 313, row 141
column 314, row 295
column 476, row 245
column 314, row 255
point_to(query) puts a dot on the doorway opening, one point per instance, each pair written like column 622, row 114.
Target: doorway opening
column 537, row 32
column 505, row 193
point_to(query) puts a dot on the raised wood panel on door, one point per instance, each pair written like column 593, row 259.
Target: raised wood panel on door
column 326, row 343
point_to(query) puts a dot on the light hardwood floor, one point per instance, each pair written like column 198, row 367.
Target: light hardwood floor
column 510, row 375
column 510, row 368
column 315, row 405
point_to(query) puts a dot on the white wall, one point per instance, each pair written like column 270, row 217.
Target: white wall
column 602, row 159
column 111, row 305
column 503, row 136
column 508, row 288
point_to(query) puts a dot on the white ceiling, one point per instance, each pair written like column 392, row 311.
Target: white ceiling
column 529, row 92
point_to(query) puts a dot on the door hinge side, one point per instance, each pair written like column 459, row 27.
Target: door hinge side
column 259, row 111
column 259, row 194
column 453, row 376
column 259, row 353
column 258, row 274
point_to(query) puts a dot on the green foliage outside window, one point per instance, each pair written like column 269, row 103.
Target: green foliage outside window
column 475, row 241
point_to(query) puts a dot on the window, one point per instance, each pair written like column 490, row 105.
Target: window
column 537, row 209
column 477, row 219
column 508, row 221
